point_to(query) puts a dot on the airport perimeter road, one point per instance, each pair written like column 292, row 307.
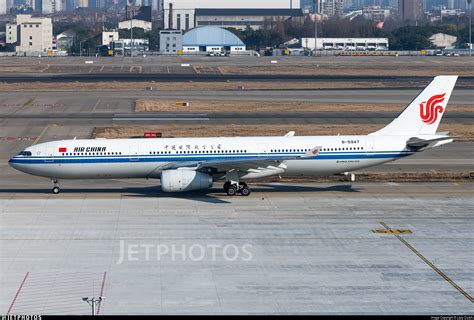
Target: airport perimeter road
column 302, row 248
column 207, row 77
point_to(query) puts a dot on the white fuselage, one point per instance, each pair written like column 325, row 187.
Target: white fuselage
column 147, row 158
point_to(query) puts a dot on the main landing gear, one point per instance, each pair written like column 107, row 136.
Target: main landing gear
column 232, row 188
column 350, row 176
column 56, row 188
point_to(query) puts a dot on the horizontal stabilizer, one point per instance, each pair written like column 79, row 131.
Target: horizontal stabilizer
column 419, row 143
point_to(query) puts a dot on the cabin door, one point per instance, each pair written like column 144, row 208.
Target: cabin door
column 49, row 155
column 134, row 155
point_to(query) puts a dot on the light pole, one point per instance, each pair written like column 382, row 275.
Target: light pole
column 315, row 26
column 469, row 2
column 131, row 33
column 80, row 48
column 93, row 302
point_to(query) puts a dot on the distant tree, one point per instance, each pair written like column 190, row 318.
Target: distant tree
column 410, row 38
column 153, row 37
column 9, row 47
column 401, row 36
column 137, row 33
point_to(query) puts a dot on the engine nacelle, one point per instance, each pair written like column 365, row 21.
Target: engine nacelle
column 184, row 180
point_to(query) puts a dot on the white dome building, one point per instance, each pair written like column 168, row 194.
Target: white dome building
column 211, row 39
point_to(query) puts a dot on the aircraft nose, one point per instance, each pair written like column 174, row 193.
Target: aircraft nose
column 12, row 163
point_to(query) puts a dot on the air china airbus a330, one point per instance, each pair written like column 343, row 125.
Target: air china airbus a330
column 184, row 164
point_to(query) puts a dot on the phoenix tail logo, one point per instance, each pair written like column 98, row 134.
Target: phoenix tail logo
column 429, row 110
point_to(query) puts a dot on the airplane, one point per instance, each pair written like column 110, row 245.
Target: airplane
column 186, row 164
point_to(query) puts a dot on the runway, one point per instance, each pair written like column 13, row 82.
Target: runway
column 229, row 117
column 123, row 100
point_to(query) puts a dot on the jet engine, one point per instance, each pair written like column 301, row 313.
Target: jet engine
column 184, row 180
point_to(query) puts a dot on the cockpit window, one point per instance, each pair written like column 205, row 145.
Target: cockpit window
column 25, row 153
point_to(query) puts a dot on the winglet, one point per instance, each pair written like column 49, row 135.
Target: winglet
column 290, row 134
column 312, row 153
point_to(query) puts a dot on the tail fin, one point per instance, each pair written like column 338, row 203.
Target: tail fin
column 424, row 113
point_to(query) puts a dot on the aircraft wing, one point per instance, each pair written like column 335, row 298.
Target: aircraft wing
column 249, row 164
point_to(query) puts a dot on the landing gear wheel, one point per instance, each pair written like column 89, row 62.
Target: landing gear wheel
column 231, row 191
column 55, row 190
column 245, row 191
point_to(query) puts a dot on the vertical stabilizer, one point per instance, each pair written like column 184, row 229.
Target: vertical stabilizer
column 424, row 113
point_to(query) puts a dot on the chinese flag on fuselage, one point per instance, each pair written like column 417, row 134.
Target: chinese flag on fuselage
column 62, row 149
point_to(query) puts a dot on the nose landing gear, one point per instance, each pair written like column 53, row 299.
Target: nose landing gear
column 233, row 187
column 56, row 188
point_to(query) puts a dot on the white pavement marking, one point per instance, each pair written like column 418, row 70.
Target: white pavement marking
column 160, row 119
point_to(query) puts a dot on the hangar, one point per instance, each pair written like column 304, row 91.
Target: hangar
column 243, row 18
column 183, row 14
column 211, row 39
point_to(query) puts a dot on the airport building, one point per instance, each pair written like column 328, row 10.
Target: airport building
column 3, row 7
column 331, row 8
column 361, row 44
column 136, row 16
column 51, row 6
column 410, row 10
column 108, row 37
column 135, row 23
column 171, row 41
column 185, row 14
column 443, row 41
column 211, row 39
column 33, row 35
column 65, row 40
column 376, row 13
column 11, row 30
column 243, row 18
column 137, row 45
